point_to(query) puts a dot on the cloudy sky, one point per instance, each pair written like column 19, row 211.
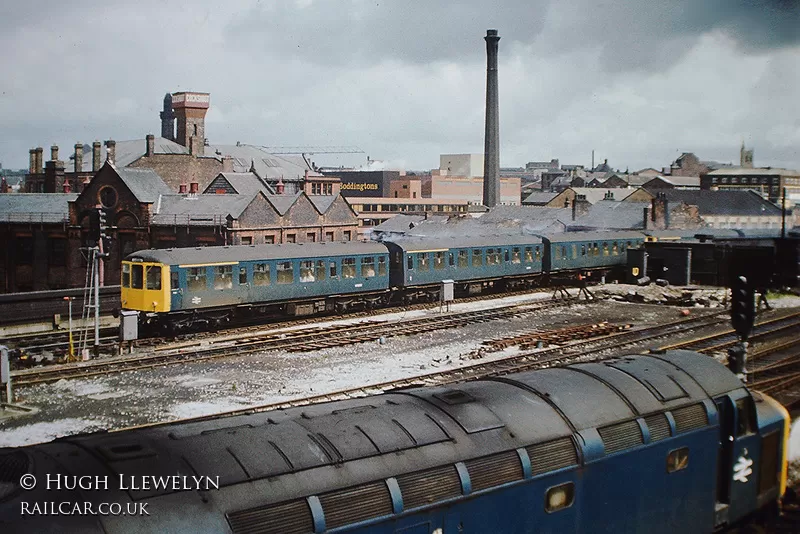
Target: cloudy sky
column 638, row 81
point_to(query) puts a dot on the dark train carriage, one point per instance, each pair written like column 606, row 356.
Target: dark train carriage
column 305, row 277
column 655, row 443
column 468, row 261
column 587, row 251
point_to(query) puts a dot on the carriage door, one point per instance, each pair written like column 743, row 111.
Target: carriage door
column 739, row 448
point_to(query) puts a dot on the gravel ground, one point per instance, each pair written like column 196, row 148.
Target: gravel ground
column 193, row 389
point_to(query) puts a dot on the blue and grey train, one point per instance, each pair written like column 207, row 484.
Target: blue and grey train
column 660, row 443
column 187, row 288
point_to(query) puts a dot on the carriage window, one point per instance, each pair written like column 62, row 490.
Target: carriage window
column 321, row 270
column 605, row 249
column 528, row 255
column 596, row 250
column 333, row 269
column 678, row 460
column 745, row 422
column 462, row 258
column 285, row 272
column 559, row 497
column 583, row 250
column 538, row 253
column 477, row 257
column 422, row 261
column 574, row 251
column 507, row 256
column 242, row 276
column 367, row 267
column 451, row 259
column 137, row 275
column 410, row 261
column 261, row 274
column 223, row 277
column 515, row 255
column 196, row 280
column 438, row 260
column 564, row 252
column 153, row 277
column 126, row 275
column 349, row 268
column 381, row 265
column 615, row 249
column 489, row 256
column 307, row 271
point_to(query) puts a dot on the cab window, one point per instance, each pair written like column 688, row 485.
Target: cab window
column 126, row 275
column 745, row 417
column 137, row 276
column 174, row 280
column 154, row 277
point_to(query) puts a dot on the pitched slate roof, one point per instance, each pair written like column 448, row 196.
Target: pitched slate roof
column 741, row 171
column 198, row 210
column 126, row 152
column 268, row 166
column 540, row 197
column 322, row 202
column 35, row 207
column 246, row 183
column 611, row 215
column 145, row 184
column 741, row 203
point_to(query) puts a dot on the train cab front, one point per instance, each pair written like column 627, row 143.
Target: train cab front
column 145, row 287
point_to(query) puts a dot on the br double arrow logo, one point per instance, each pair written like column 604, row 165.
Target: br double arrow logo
column 741, row 470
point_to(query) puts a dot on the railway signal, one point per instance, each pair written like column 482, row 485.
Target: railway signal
column 743, row 309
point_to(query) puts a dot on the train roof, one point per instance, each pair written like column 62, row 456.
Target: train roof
column 433, row 426
column 201, row 255
column 412, row 244
column 591, row 236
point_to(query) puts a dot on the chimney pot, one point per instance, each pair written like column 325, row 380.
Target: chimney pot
column 39, row 169
column 67, row 186
column 194, row 187
column 182, row 189
column 54, row 153
column 111, row 151
column 96, row 156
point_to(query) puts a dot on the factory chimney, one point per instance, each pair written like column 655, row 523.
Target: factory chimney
column 491, row 159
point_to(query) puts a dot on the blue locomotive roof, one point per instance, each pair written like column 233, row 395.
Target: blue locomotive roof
column 414, row 244
column 201, row 255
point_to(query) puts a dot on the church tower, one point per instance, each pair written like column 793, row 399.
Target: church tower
column 745, row 157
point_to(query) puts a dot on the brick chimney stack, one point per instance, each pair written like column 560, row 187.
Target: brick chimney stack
column 3, row 185
column 39, row 169
column 150, row 149
column 96, row 162
column 111, row 151
column 54, row 153
column 32, row 162
column 491, row 161
column 78, row 157
column 227, row 164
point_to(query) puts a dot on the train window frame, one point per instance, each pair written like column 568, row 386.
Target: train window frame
column 196, row 279
column 261, row 275
column 242, row 276
column 320, row 270
column 125, row 275
column 745, row 417
column 451, row 259
column 528, row 253
column 583, row 249
column 284, row 273
column 174, row 280
column 574, row 251
column 307, row 271
column 381, row 265
column 332, row 269
column 152, row 283
column 367, row 267
column 463, row 259
column 438, row 260
column 537, row 253
column 507, row 256
column 606, row 250
column 137, row 276
column 516, row 257
column 410, row 262
column 563, row 252
column 348, row 268
column 423, row 262
column 677, row 460
column 615, row 249
column 223, row 277
column 552, row 505
column 477, row 257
